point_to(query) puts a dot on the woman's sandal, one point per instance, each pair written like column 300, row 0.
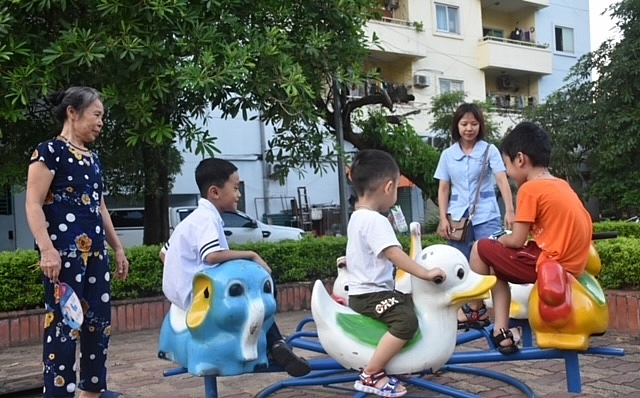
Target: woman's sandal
column 110, row 394
column 505, row 349
column 367, row 384
column 474, row 318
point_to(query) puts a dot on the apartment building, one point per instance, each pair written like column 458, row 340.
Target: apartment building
column 512, row 52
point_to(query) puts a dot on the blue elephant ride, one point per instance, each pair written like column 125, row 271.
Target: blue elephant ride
column 223, row 333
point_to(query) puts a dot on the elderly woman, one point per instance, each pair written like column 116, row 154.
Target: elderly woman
column 70, row 222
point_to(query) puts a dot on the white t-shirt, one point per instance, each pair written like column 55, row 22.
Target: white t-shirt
column 199, row 234
column 368, row 234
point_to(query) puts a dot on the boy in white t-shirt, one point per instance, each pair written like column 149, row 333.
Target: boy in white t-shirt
column 199, row 242
column 372, row 250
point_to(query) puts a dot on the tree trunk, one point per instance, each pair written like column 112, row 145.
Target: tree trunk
column 156, row 198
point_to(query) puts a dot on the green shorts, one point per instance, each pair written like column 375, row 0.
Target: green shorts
column 393, row 308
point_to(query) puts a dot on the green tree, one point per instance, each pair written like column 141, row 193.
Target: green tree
column 595, row 122
column 417, row 160
column 160, row 65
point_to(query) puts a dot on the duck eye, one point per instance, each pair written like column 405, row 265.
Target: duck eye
column 267, row 287
column 460, row 273
column 236, row 290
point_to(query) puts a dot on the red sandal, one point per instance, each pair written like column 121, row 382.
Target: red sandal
column 367, row 384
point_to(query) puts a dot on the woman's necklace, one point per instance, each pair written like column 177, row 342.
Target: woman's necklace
column 65, row 139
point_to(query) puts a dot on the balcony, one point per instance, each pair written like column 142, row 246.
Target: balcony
column 509, row 102
column 397, row 40
column 511, row 6
column 514, row 56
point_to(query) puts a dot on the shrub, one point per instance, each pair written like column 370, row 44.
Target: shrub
column 290, row 261
column 624, row 229
column 20, row 280
column 620, row 263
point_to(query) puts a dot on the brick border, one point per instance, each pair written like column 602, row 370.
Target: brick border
column 25, row 327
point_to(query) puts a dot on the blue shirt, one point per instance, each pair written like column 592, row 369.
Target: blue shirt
column 463, row 171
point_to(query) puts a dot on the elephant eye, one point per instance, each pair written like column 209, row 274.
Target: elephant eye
column 460, row 273
column 267, row 287
column 206, row 293
column 236, row 290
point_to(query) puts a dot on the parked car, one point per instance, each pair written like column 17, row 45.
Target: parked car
column 239, row 227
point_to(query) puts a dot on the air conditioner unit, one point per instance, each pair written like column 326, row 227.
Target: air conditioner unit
column 273, row 171
column 505, row 82
column 421, row 81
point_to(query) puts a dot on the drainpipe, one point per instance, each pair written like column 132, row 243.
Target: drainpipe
column 265, row 167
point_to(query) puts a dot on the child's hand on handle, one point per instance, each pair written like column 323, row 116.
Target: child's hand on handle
column 257, row 259
column 436, row 275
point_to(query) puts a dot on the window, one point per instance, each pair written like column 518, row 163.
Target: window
column 447, row 19
column 183, row 213
column 449, row 85
column 5, row 201
column 235, row 220
column 127, row 218
column 564, row 39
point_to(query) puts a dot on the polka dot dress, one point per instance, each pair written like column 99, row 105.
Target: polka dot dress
column 74, row 223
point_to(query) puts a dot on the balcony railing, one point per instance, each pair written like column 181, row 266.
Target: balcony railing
column 398, row 93
column 520, row 55
column 523, row 42
column 511, row 102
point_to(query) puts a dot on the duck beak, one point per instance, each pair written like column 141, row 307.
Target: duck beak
column 478, row 292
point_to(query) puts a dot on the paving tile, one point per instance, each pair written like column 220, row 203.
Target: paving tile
column 134, row 369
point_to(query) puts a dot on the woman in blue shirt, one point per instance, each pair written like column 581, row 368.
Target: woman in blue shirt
column 459, row 170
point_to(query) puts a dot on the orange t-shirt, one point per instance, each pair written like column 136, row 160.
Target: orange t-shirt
column 560, row 224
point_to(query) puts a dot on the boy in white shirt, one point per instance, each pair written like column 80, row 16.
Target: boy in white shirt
column 372, row 250
column 199, row 242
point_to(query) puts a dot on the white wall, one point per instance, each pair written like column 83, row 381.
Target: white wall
column 242, row 142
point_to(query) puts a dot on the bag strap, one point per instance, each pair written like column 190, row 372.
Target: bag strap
column 484, row 168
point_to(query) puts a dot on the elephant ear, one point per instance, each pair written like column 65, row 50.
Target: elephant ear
column 202, row 300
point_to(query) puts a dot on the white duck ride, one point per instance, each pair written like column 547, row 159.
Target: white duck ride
column 351, row 338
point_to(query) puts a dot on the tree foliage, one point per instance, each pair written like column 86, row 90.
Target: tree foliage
column 163, row 65
column 417, row 160
column 595, row 122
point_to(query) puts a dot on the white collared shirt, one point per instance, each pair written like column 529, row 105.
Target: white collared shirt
column 199, row 234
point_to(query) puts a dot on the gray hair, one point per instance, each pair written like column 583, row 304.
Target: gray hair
column 78, row 97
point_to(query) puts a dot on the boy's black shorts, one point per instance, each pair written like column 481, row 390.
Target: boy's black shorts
column 393, row 308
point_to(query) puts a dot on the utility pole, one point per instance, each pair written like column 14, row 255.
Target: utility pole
column 344, row 202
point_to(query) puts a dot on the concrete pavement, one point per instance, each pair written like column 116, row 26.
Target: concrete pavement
column 135, row 370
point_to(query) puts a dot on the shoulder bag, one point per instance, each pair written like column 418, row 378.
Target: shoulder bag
column 460, row 228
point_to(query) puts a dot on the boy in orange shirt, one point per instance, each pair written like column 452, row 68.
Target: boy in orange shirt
column 549, row 210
